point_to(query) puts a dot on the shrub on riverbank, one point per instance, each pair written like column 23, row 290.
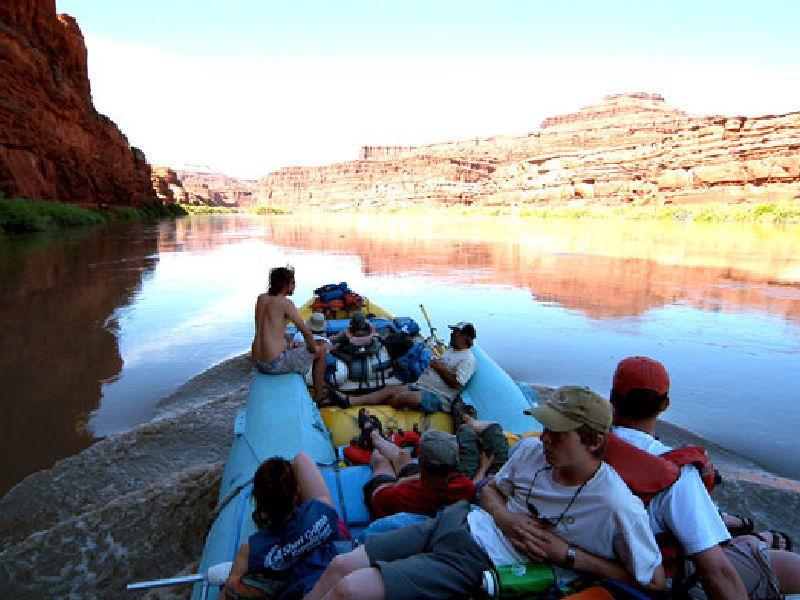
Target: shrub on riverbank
column 23, row 216
column 228, row 210
column 20, row 215
column 202, row 209
column 779, row 212
column 772, row 212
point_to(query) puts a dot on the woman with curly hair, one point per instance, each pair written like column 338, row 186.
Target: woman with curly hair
column 297, row 525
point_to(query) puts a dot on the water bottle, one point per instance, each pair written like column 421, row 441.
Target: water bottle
column 518, row 581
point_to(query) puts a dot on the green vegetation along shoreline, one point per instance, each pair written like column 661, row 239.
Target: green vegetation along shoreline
column 768, row 212
column 202, row 209
column 20, row 215
column 786, row 212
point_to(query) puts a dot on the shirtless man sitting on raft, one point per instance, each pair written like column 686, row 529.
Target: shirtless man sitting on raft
column 274, row 310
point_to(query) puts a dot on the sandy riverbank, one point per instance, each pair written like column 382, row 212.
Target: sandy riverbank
column 136, row 505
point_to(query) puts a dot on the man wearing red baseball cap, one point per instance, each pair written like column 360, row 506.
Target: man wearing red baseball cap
column 684, row 510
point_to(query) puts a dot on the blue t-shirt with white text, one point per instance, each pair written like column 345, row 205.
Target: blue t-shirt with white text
column 300, row 551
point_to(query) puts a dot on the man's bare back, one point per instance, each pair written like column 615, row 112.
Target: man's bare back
column 273, row 313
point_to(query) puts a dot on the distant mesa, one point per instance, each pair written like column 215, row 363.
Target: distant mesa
column 201, row 188
column 54, row 145
column 630, row 148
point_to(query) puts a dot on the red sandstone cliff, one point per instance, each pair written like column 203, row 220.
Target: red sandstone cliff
column 629, row 148
column 54, row 145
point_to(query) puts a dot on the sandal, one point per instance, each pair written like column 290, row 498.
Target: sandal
column 745, row 526
column 780, row 540
column 368, row 423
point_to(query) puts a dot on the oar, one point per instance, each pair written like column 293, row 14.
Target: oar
column 438, row 346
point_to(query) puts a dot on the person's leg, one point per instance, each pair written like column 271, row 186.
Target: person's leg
column 774, row 539
column 469, row 451
column 478, row 426
column 380, row 465
column 364, row 584
column 310, row 482
column 397, row 457
column 341, row 566
column 318, row 371
column 786, row 566
column 407, row 398
column 753, row 563
column 383, row 396
column 494, row 443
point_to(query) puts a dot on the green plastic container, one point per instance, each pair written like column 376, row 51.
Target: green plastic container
column 518, row 581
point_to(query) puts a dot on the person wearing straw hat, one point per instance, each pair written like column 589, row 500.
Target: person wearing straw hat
column 318, row 326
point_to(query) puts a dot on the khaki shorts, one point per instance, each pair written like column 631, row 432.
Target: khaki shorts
column 296, row 360
column 754, row 567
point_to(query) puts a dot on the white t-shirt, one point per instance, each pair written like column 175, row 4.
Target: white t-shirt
column 459, row 362
column 605, row 519
column 685, row 509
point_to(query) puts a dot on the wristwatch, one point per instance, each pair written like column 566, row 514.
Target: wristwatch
column 569, row 560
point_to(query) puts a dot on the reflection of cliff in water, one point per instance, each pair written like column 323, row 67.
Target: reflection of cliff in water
column 601, row 268
column 57, row 344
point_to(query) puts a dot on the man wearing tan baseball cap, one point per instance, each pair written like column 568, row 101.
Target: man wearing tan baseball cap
column 556, row 501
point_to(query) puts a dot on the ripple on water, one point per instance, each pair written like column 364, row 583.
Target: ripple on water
column 133, row 506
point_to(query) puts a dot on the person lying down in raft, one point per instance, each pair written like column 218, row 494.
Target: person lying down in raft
column 438, row 385
column 397, row 487
column 554, row 501
column 297, row 525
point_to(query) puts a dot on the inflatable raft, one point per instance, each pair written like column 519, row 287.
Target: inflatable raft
column 280, row 418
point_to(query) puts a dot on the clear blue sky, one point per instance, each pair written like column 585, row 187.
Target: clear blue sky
column 311, row 81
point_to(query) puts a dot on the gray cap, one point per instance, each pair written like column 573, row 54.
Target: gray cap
column 438, row 449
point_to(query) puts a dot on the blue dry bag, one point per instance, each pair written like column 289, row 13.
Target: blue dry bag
column 410, row 366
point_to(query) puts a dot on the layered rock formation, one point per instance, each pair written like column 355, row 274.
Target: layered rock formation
column 54, row 145
column 216, row 189
column 167, row 186
column 201, row 188
column 629, row 148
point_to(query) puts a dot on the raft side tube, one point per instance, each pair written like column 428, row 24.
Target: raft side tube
column 497, row 397
column 280, row 419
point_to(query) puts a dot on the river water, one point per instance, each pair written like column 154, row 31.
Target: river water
column 98, row 326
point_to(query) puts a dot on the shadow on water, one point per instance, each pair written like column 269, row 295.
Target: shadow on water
column 57, row 337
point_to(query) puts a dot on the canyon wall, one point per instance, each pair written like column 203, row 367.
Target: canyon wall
column 54, row 145
column 629, row 148
column 201, row 188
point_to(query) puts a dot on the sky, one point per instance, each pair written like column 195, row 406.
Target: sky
column 246, row 87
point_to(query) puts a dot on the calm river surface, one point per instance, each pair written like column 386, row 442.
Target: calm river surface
column 97, row 326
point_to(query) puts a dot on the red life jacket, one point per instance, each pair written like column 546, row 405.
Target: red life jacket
column 648, row 474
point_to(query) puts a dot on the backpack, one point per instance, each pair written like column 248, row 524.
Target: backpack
column 397, row 344
column 410, row 366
